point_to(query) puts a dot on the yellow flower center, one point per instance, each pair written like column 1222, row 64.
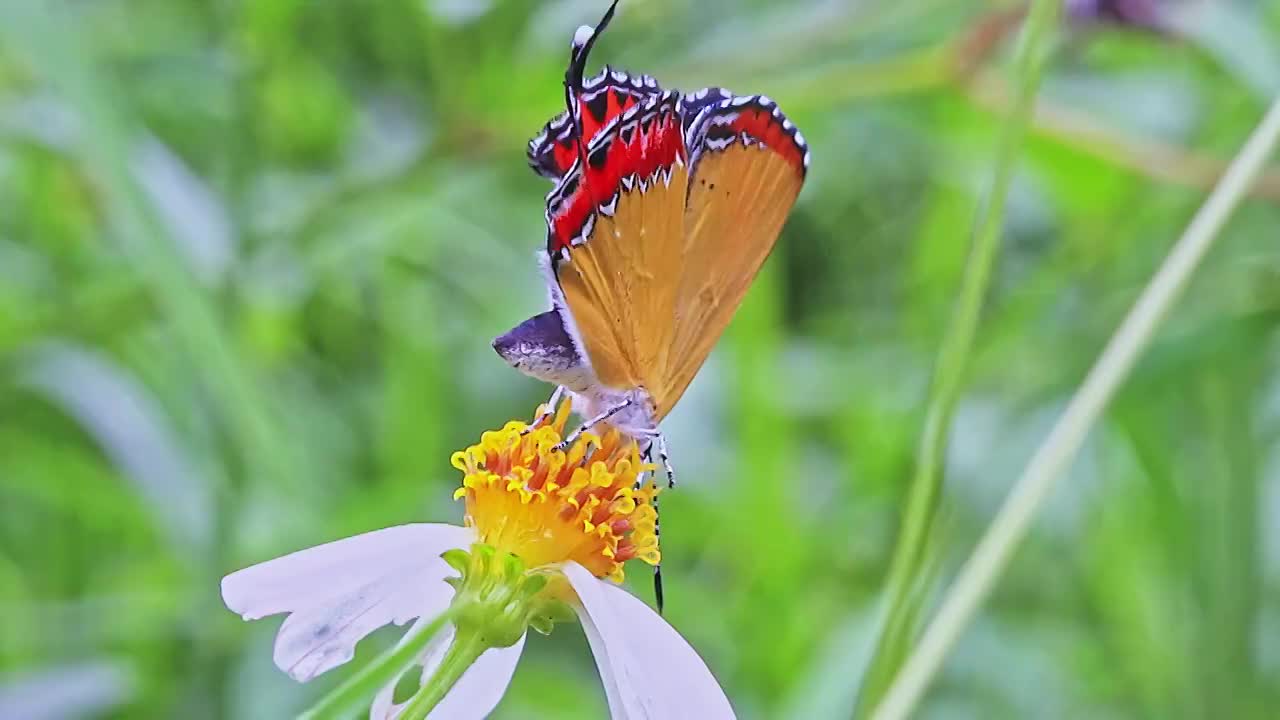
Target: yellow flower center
column 548, row 506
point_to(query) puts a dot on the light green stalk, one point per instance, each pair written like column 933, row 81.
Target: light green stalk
column 1010, row 525
column 908, row 582
column 353, row 695
column 462, row 654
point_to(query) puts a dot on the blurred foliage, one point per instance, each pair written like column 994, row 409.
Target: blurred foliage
column 252, row 254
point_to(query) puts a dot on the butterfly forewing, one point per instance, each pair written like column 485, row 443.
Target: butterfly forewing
column 616, row 233
column 604, row 97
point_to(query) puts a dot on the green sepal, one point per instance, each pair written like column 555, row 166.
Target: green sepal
column 483, row 555
column 533, row 584
column 544, row 625
column 559, row 611
column 457, row 559
column 497, row 599
column 513, row 567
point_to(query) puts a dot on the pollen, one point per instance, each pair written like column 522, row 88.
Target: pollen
column 548, row 506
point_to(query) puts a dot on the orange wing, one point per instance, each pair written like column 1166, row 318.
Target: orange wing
column 748, row 163
column 652, row 257
column 616, row 233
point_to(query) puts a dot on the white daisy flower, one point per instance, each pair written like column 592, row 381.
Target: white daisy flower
column 547, row 533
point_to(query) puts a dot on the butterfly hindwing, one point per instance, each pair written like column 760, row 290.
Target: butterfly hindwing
column 747, row 164
column 692, row 104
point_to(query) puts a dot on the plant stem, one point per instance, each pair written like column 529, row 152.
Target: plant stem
column 905, row 591
column 467, row 647
column 353, row 695
column 1010, row 525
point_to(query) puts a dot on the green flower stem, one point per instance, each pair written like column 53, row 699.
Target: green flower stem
column 905, row 590
column 1010, row 525
column 496, row 603
column 353, row 695
column 467, row 647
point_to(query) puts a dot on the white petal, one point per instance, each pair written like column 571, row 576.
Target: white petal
column 649, row 671
column 341, row 591
column 476, row 693
column 605, row 663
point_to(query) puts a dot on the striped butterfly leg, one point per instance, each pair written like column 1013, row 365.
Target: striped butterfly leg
column 547, row 411
column 657, row 440
column 572, row 437
column 661, row 442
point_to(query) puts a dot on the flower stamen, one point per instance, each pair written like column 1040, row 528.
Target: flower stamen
column 546, row 505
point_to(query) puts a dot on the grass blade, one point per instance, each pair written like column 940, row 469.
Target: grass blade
column 905, row 592
column 1010, row 525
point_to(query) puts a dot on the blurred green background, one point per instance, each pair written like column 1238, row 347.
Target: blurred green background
column 252, row 254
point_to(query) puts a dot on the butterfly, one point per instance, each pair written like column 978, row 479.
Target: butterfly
column 664, row 208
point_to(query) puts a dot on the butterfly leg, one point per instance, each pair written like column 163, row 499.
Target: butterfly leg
column 573, row 436
column 548, row 410
column 661, row 442
column 658, row 441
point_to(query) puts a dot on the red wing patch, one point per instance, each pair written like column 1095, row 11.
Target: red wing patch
column 634, row 148
column 604, row 97
column 752, row 120
column 635, row 145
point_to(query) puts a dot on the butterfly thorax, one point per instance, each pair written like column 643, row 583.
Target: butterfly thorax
column 637, row 417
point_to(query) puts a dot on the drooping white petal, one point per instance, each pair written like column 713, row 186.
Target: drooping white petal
column 476, row 693
column 605, row 663
column 339, row 592
column 648, row 670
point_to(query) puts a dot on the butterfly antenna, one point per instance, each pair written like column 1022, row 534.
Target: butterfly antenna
column 583, row 40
